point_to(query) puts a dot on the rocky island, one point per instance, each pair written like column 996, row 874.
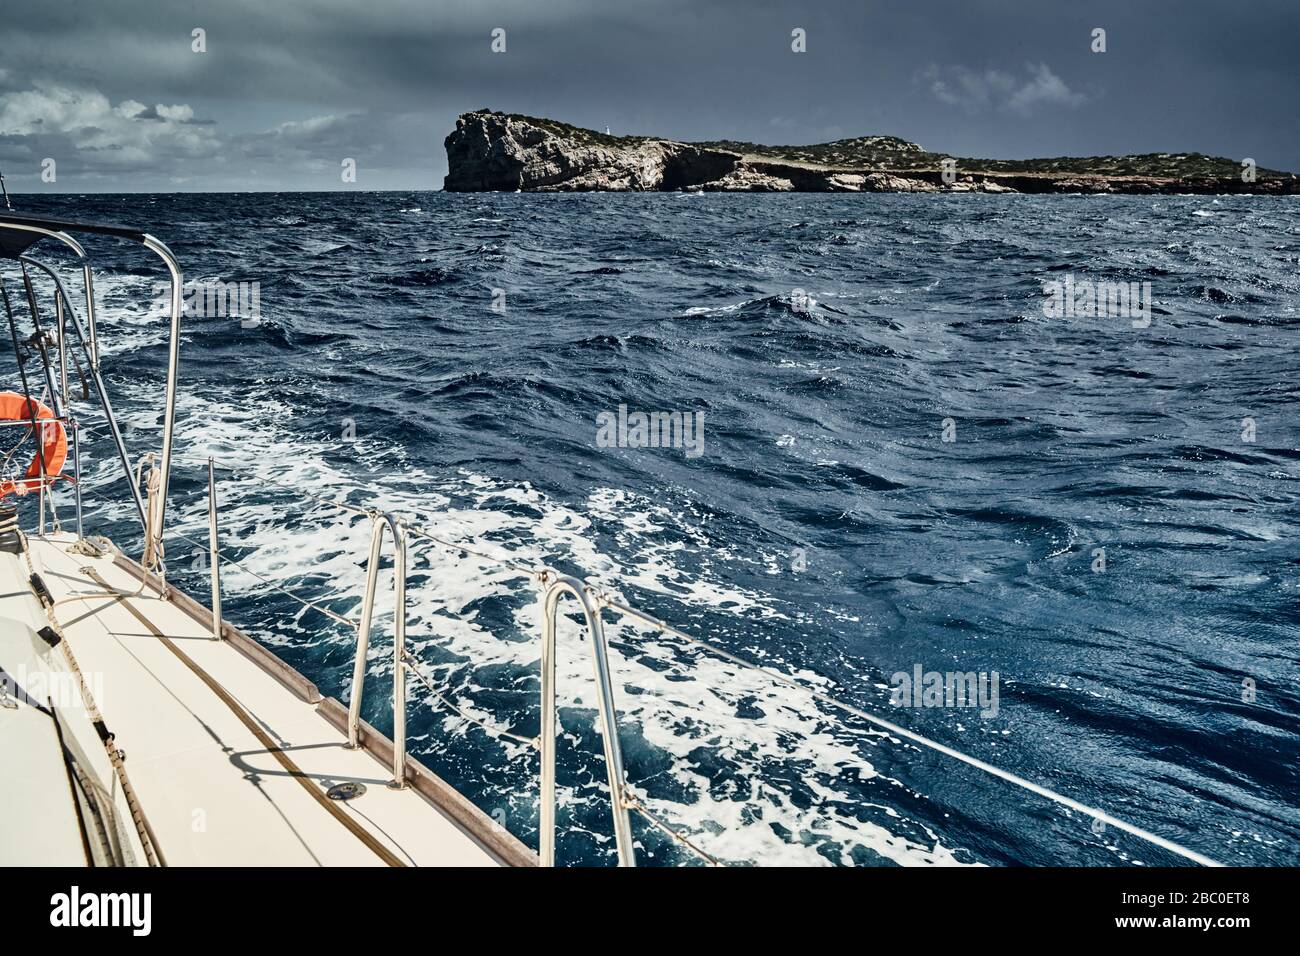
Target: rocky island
column 492, row 151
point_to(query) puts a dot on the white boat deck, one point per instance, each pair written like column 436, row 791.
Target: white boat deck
column 235, row 776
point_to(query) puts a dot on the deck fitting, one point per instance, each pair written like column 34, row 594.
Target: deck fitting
column 349, row 790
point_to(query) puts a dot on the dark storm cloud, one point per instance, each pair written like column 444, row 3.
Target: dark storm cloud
column 287, row 90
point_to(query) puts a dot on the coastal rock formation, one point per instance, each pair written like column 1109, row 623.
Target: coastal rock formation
column 494, row 151
column 490, row 151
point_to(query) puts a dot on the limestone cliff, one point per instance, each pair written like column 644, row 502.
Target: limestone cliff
column 490, row 151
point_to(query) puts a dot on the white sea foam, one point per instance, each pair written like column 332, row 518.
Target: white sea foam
column 671, row 699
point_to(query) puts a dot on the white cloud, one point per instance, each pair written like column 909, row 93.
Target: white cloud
column 1044, row 88
column 59, row 120
column 976, row 91
column 181, row 113
column 307, row 127
column 126, row 143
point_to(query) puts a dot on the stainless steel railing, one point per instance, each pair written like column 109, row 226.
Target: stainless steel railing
column 380, row 521
column 554, row 587
column 90, row 348
column 555, row 590
column 214, row 549
column 89, row 342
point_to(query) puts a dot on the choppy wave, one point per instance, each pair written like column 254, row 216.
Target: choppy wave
column 828, row 530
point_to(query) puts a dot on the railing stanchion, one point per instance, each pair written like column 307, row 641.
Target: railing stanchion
column 399, row 644
column 214, row 550
column 546, row 848
column 608, row 721
column 91, row 351
column 61, row 323
column 173, row 373
column 76, row 473
column 61, row 318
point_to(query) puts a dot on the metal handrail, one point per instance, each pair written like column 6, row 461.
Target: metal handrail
column 560, row 586
column 173, row 369
column 91, row 348
column 556, row 587
column 214, row 550
column 384, row 520
column 88, row 280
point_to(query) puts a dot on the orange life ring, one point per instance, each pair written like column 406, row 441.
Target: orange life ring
column 54, row 444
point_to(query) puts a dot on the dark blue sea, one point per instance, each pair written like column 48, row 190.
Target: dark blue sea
column 903, row 462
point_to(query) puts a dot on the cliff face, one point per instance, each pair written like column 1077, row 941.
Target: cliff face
column 490, row 151
column 493, row 151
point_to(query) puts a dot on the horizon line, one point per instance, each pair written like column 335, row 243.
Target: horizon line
column 221, row 192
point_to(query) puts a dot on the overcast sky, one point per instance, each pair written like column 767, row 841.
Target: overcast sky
column 287, row 89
